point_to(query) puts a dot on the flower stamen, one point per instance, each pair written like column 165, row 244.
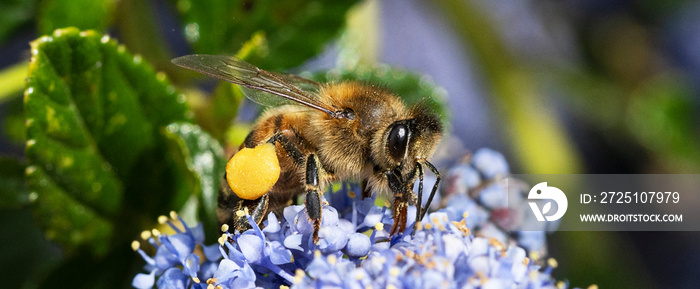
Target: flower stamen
column 299, row 275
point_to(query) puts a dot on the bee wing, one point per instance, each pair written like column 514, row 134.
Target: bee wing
column 263, row 87
column 305, row 84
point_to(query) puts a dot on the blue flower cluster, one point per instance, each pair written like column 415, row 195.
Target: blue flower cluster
column 176, row 261
column 497, row 208
column 455, row 247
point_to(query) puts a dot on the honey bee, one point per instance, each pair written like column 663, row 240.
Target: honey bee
column 324, row 133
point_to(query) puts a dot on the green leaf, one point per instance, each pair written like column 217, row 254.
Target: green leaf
column 84, row 14
column 13, row 188
column 66, row 218
column 13, row 14
column 294, row 30
column 216, row 113
column 94, row 114
column 203, row 160
column 411, row 87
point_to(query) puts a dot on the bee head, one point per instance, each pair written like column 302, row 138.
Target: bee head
column 414, row 138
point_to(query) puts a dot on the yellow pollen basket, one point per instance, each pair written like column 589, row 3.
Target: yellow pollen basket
column 252, row 172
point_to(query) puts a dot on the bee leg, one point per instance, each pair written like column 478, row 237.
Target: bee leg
column 401, row 196
column 366, row 193
column 400, row 214
column 435, row 187
column 419, row 200
column 232, row 210
column 257, row 210
column 313, row 195
column 292, row 151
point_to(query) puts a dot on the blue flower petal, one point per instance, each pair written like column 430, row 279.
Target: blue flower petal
column 382, row 246
column 212, row 252
column 183, row 244
column 234, row 254
column 532, row 240
column 498, row 284
column 173, row 278
column 247, row 273
column 374, row 264
column 317, row 267
column 358, row 279
column 411, row 215
column 329, row 216
column 242, row 283
column 358, row 245
column 144, row 280
column 294, row 242
column 301, row 223
column 191, row 265
column 291, row 212
column 271, row 224
column 462, row 178
column 198, row 233
column 332, row 279
column 346, row 226
column 278, row 253
column 479, row 246
column 207, row 270
column 433, row 279
column 373, row 216
column 226, row 270
column 454, row 247
column 494, row 196
column 491, row 163
column 332, row 239
column 365, row 206
column 251, row 247
column 519, row 268
column 164, row 258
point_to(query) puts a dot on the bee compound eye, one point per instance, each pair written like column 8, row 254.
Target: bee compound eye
column 397, row 141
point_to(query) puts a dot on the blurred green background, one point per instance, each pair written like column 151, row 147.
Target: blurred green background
column 575, row 86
